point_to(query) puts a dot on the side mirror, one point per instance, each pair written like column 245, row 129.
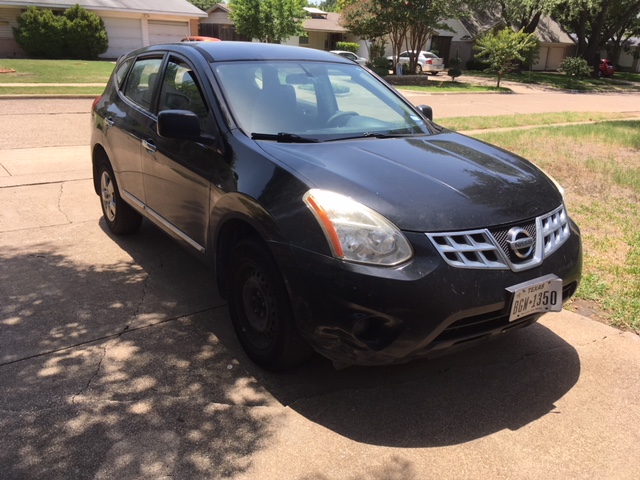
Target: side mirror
column 181, row 124
column 426, row 110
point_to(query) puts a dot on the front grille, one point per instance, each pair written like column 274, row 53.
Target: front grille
column 500, row 234
column 555, row 230
column 469, row 250
column 490, row 249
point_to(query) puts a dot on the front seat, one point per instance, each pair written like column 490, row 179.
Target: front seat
column 274, row 110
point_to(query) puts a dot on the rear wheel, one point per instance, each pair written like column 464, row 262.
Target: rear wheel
column 118, row 215
column 260, row 309
column 418, row 69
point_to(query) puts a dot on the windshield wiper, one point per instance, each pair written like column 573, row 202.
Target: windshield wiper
column 283, row 137
column 377, row 135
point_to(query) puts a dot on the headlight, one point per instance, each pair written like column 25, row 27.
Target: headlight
column 355, row 232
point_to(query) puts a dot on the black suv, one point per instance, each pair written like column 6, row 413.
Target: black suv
column 337, row 216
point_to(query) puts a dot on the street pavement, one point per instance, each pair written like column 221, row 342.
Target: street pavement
column 118, row 361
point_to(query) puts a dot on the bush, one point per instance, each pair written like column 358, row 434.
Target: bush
column 381, row 66
column 85, row 35
column 476, row 64
column 348, row 46
column 76, row 34
column 40, row 33
column 454, row 72
column 575, row 68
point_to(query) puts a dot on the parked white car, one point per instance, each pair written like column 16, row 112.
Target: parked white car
column 427, row 62
column 351, row 56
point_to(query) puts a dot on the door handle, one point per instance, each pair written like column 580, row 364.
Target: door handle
column 149, row 146
column 109, row 121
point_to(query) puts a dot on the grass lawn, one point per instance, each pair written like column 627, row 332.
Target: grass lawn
column 621, row 81
column 521, row 120
column 445, row 86
column 55, row 71
column 599, row 167
column 51, row 91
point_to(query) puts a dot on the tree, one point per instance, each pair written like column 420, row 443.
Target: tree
column 203, row 4
column 329, row 6
column 505, row 50
column 522, row 15
column 363, row 20
column 594, row 23
column 269, row 21
column 621, row 40
column 408, row 23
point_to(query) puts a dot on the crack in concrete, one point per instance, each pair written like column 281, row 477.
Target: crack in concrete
column 136, row 313
column 60, row 203
column 95, row 374
column 108, row 337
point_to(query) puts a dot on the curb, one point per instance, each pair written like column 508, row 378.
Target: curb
column 70, row 96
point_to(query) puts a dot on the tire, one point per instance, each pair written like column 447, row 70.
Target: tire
column 418, row 69
column 120, row 218
column 261, row 311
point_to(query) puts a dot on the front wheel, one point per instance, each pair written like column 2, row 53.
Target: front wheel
column 260, row 309
column 118, row 215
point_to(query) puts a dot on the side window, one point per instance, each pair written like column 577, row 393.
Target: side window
column 181, row 91
column 121, row 72
column 142, row 80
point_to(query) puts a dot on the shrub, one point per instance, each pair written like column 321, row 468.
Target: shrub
column 40, row 33
column 76, row 34
column 454, row 72
column 381, row 66
column 476, row 64
column 575, row 68
column 85, row 35
column 348, row 46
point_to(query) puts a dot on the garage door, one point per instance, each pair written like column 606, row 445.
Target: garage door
column 163, row 32
column 124, row 35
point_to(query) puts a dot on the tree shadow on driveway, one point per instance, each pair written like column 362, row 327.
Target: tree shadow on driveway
column 127, row 367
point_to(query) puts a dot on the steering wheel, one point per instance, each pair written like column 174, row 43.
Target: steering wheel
column 338, row 115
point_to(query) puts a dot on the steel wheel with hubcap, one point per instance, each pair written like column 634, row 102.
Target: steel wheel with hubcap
column 118, row 215
column 260, row 309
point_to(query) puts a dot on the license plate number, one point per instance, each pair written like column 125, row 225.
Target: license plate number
column 542, row 294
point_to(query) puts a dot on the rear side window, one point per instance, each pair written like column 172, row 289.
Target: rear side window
column 142, row 81
column 121, row 72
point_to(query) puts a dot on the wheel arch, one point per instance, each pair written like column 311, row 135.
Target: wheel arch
column 239, row 218
column 98, row 155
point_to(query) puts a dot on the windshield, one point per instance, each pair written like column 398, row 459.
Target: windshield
column 313, row 101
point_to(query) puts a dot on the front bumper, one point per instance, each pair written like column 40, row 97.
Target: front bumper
column 366, row 315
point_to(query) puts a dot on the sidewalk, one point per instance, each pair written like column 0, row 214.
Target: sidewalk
column 52, row 84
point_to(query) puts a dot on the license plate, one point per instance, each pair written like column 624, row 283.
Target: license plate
column 542, row 294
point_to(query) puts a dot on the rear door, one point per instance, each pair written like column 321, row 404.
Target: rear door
column 130, row 121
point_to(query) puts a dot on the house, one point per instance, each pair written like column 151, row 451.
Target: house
column 130, row 25
column 323, row 29
column 555, row 43
column 629, row 60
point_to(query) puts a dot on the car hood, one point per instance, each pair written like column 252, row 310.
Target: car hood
column 433, row 183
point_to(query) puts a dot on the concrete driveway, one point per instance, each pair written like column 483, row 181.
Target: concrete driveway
column 117, row 361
